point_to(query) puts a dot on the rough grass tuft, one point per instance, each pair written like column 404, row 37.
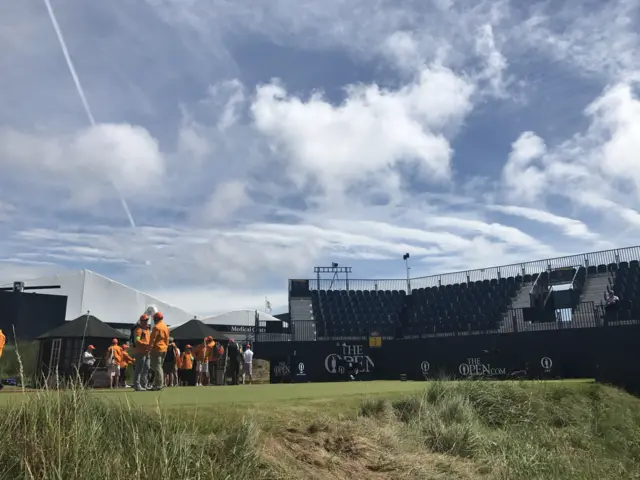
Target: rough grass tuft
column 73, row 435
column 527, row 430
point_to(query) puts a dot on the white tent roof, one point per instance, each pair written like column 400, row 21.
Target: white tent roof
column 108, row 300
column 238, row 317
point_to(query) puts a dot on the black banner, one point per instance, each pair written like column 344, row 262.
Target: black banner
column 557, row 354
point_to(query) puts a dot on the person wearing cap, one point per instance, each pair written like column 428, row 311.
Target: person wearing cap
column 88, row 361
column 202, row 353
column 114, row 359
column 185, row 369
column 141, row 348
column 171, row 364
column 159, row 345
column 126, row 361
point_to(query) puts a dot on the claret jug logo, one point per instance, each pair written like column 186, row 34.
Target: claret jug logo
column 334, row 363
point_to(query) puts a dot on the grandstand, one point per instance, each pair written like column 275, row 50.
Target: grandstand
column 558, row 293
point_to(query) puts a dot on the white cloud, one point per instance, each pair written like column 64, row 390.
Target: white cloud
column 570, row 227
column 597, row 38
column 86, row 160
column 402, row 48
column 523, row 180
column 495, row 62
column 370, row 133
column 225, row 202
column 601, row 162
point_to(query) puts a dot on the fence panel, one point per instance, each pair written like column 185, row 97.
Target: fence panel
column 303, row 330
column 526, row 268
column 357, row 284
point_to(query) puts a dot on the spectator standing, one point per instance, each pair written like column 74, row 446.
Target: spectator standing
column 202, row 353
column 86, row 369
column 247, row 368
column 159, row 344
column 214, row 361
column 126, row 361
column 3, row 340
column 185, row 371
column 612, row 299
column 172, row 364
column 233, row 356
column 114, row 359
column 611, row 306
column 141, row 338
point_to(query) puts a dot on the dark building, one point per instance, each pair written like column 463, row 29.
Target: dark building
column 30, row 314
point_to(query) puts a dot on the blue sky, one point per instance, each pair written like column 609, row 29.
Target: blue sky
column 255, row 140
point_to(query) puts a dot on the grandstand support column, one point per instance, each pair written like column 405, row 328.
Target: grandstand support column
column 406, row 257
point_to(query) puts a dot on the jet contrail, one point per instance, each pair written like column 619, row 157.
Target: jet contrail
column 87, row 109
column 83, row 98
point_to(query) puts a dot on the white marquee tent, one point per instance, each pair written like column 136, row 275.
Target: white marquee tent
column 108, row 300
column 239, row 318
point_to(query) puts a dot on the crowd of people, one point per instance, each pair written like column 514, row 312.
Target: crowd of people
column 157, row 361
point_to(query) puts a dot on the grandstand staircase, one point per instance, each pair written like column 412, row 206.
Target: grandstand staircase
column 521, row 300
column 595, row 288
column 302, row 320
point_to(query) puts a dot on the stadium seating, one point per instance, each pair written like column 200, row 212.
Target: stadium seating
column 468, row 307
column 473, row 306
column 625, row 282
column 345, row 313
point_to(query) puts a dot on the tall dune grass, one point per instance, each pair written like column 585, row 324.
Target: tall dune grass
column 73, row 435
column 520, row 431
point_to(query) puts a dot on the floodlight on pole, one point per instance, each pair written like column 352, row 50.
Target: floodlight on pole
column 406, row 257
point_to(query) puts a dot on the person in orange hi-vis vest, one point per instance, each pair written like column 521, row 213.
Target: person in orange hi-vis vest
column 216, row 354
column 114, row 359
column 159, row 344
column 126, row 361
column 141, row 348
column 202, row 353
column 172, row 364
column 185, row 370
column 3, row 340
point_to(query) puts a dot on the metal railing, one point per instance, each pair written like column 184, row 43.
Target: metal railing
column 575, row 276
column 604, row 257
column 516, row 321
column 584, row 315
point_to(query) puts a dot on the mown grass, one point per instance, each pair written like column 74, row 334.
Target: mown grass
column 444, row 430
